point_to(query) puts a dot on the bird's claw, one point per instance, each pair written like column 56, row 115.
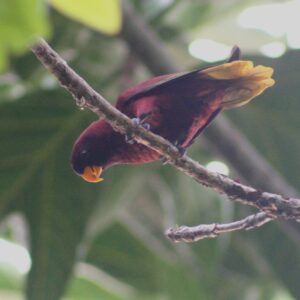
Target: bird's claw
column 137, row 122
column 163, row 160
column 81, row 102
column 181, row 151
column 129, row 139
column 146, row 126
column 140, row 122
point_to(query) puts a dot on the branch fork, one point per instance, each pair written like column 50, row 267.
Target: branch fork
column 272, row 206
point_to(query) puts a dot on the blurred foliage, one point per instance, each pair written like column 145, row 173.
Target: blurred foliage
column 23, row 20
column 101, row 15
column 106, row 241
column 20, row 21
column 277, row 108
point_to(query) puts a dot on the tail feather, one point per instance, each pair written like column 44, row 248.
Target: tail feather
column 246, row 81
column 235, row 54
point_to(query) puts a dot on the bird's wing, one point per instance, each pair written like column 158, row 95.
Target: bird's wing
column 149, row 87
column 211, row 118
column 155, row 84
column 242, row 82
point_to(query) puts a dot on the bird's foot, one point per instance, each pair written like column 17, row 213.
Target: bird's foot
column 163, row 160
column 181, row 151
column 129, row 139
column 81, row 102
column 141, row 122
column 138, row 122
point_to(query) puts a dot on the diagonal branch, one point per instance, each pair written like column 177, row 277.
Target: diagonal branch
column 225, row 138
column 222, row 134
column 196, row 233
column 273, row 205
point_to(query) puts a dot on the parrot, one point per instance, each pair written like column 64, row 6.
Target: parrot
column 177, row 106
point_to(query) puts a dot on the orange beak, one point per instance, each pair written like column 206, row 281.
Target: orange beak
column 92, row 174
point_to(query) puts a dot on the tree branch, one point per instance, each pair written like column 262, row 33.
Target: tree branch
column 272, row 204
column 196, row 233
column 221, row 133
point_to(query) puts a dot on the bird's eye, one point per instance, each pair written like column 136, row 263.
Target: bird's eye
column 83, row 152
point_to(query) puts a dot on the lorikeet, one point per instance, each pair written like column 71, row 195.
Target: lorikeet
column 177, row 107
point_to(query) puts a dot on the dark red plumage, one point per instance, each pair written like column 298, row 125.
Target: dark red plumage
column 176, row 106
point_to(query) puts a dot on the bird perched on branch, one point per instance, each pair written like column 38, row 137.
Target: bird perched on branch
column 177, row 107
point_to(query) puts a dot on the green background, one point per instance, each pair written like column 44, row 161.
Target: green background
column 107, row 241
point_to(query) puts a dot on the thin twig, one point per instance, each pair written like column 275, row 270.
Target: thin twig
column 203, row 231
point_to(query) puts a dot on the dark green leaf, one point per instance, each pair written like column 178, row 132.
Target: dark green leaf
column 36, row 134
column 20, row 21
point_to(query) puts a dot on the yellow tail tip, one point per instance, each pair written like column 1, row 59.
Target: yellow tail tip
column 246, row 81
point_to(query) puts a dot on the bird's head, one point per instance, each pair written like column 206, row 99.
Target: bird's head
column 92, row 151
column 85, row 165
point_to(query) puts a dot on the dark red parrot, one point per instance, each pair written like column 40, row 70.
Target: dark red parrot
column 177, row 107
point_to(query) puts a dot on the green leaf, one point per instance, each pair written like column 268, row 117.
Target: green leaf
column 284, row 268
column 102, row 15
column 36, row 134
column 82, row 289
column 10, row 280
column 194, row 14
column 122, row 255
column 20, row 22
